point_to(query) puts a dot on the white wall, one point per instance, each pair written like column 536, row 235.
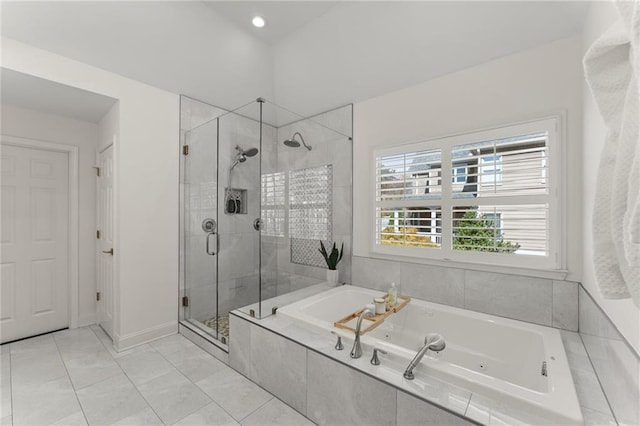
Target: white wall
column 346, row 55
column 623, row 312
column 31, row 124
column 146, row 248
column 530, row 84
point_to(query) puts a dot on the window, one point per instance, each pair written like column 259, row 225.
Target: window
column 491, row 169
column 406, row 183
column 494, row 219
column 458, row 174
column 488, row 196
column 273, row 204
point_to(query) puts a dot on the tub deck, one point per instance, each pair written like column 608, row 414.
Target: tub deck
column 492, row 357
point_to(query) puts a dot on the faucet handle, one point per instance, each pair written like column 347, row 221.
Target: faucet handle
column 374, row 359
column 339, row 346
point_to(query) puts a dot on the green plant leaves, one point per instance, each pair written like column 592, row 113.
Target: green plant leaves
column 334, row 258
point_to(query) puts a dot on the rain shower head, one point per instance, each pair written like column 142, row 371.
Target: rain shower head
column 293, row 143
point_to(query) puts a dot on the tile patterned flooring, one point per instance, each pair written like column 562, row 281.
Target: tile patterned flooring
column 74, row 377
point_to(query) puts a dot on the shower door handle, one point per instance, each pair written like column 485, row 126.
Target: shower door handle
column 209, row 252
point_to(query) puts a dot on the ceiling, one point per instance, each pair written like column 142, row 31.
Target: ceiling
column 282, row 17
column 311, row 56
column 31, row 92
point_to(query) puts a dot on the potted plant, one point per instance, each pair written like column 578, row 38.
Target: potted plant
column 332, row 260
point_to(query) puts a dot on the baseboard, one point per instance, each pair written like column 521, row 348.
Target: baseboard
column 87, row 319
column 128, row 341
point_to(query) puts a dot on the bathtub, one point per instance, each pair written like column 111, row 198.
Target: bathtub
column 487, row 355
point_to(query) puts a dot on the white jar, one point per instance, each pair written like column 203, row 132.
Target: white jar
column 380, row 305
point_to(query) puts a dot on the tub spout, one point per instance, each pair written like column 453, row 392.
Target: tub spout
column 356, row 352
column 432, row 341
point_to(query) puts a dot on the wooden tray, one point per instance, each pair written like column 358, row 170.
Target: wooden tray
column 374, row 321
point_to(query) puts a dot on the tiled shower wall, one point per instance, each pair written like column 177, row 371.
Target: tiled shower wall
column 328, row 147
column 537, row 300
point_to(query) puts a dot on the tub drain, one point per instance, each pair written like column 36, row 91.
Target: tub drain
column 482, row 366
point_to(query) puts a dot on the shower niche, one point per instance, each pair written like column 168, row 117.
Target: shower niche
column 235, row 201
column 260, row 172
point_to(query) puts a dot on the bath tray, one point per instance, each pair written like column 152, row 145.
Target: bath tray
column 371, row 322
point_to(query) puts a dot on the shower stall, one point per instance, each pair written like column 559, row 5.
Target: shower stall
column 260, row 187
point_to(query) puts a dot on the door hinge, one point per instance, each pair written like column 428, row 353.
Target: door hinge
column 98, row 296
column 185, row 150
column 98, row 234
column 185, row 301
column 97, row 170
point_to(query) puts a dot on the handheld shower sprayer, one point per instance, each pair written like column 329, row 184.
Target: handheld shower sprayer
column 232, row 199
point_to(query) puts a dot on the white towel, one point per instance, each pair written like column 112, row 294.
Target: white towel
column 612, row 69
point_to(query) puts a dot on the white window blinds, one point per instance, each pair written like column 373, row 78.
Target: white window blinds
column 484, row 196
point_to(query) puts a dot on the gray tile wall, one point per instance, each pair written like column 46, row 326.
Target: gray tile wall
column 413, row 411
column 341, row 395
column 325, row 391
column 273, row 362
column 616, row 364
column 328, row 147
column 542, row 301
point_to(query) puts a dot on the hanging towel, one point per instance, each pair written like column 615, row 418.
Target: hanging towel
column 612, row 69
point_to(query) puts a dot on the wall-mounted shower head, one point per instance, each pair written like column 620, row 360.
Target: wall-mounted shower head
column 293, row 143
column 241, row 155
column 250, row 152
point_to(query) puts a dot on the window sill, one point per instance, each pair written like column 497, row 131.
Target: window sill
column 550, row 274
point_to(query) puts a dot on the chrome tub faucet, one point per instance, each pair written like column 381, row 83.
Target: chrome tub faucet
column 356, row 352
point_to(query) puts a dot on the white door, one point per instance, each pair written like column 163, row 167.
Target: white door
column 35, row 248
column 105, row 240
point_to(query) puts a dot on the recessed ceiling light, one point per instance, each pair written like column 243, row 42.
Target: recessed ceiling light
column 258, row 21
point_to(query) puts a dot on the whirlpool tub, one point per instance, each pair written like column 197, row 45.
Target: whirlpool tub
column 520, row 364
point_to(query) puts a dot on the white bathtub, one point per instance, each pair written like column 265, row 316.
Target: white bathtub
column 487, row 355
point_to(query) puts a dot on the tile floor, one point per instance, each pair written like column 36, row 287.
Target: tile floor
column 74, row 377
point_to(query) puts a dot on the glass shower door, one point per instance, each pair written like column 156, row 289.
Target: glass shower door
column 201, row 228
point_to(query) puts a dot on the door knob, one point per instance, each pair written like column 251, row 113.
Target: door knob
column 110, row 251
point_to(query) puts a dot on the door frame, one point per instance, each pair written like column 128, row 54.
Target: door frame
column 73, row 230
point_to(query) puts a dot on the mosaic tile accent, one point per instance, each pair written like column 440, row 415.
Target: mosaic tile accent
column 305, row 252
column 310, row 213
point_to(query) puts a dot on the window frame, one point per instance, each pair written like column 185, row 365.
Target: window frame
column 556, row 180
